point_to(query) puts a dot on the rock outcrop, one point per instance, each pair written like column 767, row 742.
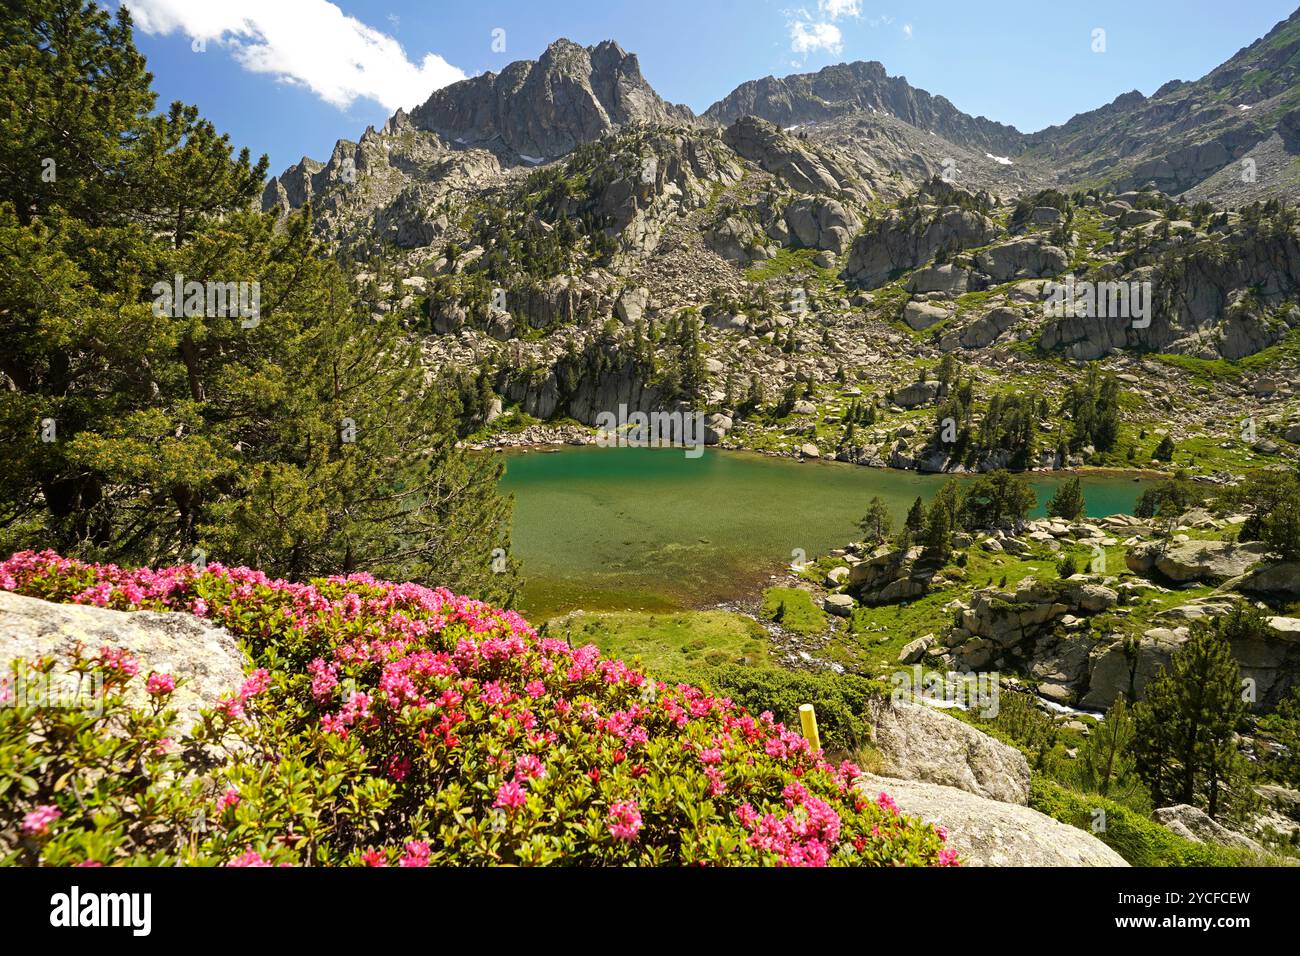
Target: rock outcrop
column 543, row 109
column 992, row 833
column 1021, row 259
column 801, row 166
column 1181, row 561
column 1192, row 823
column 900, row 241
column 205, row 660
column 983, row 332
column 859, row 87
column 888, row 576
column 1123, row 667
column 917, row 742
column 1278, row 579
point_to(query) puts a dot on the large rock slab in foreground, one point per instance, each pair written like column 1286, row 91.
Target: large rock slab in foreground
column 991, row 833
column 204, row 659
column 917, row 742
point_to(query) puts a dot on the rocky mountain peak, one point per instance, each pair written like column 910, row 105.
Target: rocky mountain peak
column 860, row 87
column 539, row 110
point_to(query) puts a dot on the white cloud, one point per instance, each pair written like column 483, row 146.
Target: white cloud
column 810, row 33
column 309, row 43
column 907, row 30
column 834, row 9
column 808, row 38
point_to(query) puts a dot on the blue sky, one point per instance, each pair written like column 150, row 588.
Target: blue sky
column 289, row 77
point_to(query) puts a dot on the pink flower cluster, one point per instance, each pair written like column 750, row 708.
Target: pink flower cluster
column 233, row 707
column 624, row 820
column 423, row 677
column 251, row 858
column 160, row 685
column 37, row 822
column 116, row 660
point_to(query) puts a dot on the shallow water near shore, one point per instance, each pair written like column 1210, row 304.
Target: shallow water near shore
column 650, row 529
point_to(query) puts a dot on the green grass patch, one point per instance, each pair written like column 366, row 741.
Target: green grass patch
column 1140, row 841
column 1210, row 372
column 794, row 610
column 789, row 263
column 666, row 641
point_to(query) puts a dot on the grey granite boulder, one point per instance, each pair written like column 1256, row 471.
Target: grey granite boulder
column 205, row 660
column 918, row 742
column 991, row 833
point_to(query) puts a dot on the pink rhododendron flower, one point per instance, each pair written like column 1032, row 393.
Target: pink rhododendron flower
column 37, row 822
column 258, row 682
column 417, row 854
column 529, row 766
column 249, row 858
column 510, row 796
column 118, row 660
column 450, row 688
column 160, row 685
column 716, row 785
column 624, row 821
column 324, row 678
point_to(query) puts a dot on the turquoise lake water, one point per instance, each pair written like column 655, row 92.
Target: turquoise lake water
column 650, row 529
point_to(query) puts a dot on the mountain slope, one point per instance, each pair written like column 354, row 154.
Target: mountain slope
column 1230, row 136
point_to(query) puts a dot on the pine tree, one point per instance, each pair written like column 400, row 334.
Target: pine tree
column 1105, row 759
column 878, row 524
column 938, row 534
column 1093, row 404
column 996, row 499
column 1068, row 502
column 1185, row 740
column 298, row 436
column 949, row 497
column 915, row 517
column 1283, row 727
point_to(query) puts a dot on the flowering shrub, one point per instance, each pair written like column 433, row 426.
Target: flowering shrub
column 392, row 724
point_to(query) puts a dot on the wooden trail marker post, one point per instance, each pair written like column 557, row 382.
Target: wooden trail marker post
column 808, row 718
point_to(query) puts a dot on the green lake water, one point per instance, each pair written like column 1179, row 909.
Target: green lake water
column 650, row 529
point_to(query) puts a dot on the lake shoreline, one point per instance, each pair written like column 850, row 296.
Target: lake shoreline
column 551, row 447
column 652, row 529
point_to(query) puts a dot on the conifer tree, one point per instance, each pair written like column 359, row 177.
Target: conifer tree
column 1068, row 501
column 285, row 429
column 1185, row 725
column 878, row 524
